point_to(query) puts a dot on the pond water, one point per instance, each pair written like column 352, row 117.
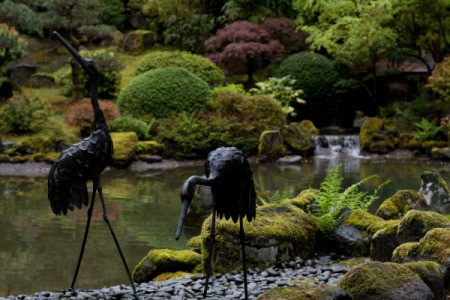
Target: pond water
column 38, row 250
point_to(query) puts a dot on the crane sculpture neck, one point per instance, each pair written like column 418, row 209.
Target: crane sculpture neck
column 99, row 118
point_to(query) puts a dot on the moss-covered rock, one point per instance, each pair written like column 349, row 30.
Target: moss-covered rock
column 417, row 223
column 125, row 144
column 39, row 80
column 397, row 205
column 270, row 146
column 378, row 280
column 137, row 41
column 277, row 233
column 441, row 153
column 376, row 137
column 434, row 246
column 305, row 198
column 436, row 192
column 297, row 138
column 353, row 235
column 431, row 274
column 195, row 244
column 384, row 242
column 305, row 293
column 160, row 261
column 149, row 147
column 310, row 126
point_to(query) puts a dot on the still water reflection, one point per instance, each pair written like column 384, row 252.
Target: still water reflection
column 38, row 250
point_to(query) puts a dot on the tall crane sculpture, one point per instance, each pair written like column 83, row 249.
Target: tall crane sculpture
column 83, row 161
column 230, row 177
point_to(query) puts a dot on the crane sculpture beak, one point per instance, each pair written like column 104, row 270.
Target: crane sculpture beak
column 185, row 202
column 85, row 63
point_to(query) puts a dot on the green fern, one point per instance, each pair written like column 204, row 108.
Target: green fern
column 333, row 202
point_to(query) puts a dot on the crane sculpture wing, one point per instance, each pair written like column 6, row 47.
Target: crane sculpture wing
column 74, row 166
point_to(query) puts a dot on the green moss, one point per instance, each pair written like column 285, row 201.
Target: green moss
column 310, row 125
column 398, row 204
column 160, row 261
column 375, row 278
column 364, row 220
column 425, row 268
column 404, row 250
column 124, row 145
column 271, row 145
column 195, row 244
column 305, row 198
column 433, row 246
column 424, row 220
column 369, row 130
column 149, row 147
column 291, row 228
column 299, row 293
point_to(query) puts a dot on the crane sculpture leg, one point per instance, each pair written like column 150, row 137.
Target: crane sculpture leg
column 98, row 188
column 210, row 249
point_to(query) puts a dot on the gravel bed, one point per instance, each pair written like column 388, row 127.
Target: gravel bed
column 294, row 272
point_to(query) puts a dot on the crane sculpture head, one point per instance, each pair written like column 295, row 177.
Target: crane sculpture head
column 87, row 64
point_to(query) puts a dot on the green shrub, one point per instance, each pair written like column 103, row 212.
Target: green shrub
column 193, row 135
column 233, row 120
column 128, row 124
column 281, row 89
column 109, row 66
column 24, row 114
column 196, row 64
column 63, row 80
column 316, row 76
column 162, row 92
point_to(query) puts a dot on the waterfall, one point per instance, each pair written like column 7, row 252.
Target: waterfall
column 336, row 145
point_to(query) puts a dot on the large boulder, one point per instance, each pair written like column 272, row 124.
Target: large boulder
column 353, row 235
column 377, row 137
column 125, row 144
column 436, row 192
column 270, row 146
column 435, row 246
column 160, row 261
column 277, row 233
column 384, row 242
column 396, row 206
column 384, row 281
column 417, row 223
column 298, row 139
column 431, row 273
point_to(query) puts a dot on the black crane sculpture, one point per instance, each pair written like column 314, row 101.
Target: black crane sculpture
column 83, row 161
column 230, row 177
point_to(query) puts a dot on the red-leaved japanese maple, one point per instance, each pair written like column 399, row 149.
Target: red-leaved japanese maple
column 243, row 47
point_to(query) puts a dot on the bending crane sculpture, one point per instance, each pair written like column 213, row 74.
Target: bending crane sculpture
column 81, row 162
column 229, row 175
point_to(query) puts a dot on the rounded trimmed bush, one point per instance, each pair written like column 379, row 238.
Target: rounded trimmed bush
column 162, row 92
column 316, row 75
column 129, row 124
column 197, row 64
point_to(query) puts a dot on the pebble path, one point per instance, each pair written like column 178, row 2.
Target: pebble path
column 294, row 272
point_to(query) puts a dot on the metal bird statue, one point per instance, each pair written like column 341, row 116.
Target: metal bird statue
column 83, row 161
column 230, row 177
